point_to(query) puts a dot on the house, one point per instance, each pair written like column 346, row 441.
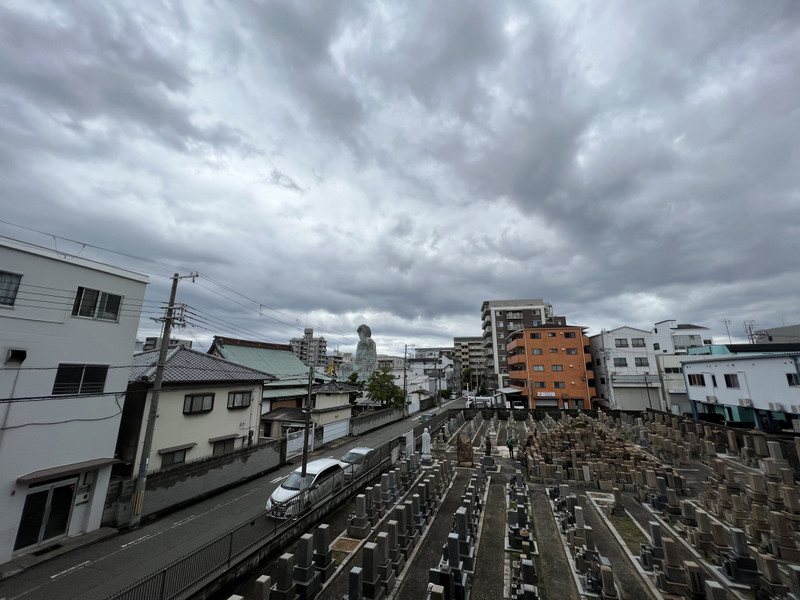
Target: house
column 207, row 406
column 67, row 332
column 761, row 390
column 329, row 416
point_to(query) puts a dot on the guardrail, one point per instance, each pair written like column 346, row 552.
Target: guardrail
column 194, row 571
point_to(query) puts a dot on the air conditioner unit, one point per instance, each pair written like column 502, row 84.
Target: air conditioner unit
column 796, row 409
column 712, row 399
column 776, row 406
column 746, row 402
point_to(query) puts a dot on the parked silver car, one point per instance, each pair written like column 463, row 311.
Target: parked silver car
column 324, row 476
column 357, row 459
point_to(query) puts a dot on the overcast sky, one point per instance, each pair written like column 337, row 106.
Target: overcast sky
column 330, row 163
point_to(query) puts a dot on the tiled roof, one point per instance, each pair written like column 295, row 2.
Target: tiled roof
column 331, row 387
column 183, row 364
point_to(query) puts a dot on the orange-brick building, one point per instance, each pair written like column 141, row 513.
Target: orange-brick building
column 552, row 366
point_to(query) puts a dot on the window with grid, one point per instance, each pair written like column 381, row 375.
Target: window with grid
column 793, row 379
column 641, row 361
column 9, row 286
column 80, row 379
column 238, row 399
column 170, row 459
column 539, row 384
column 536, row 336
column 536, row 351
column 731, row 380
column 551, row 334
column 553, row 350
column 620, row 362
column 224, row 447
column 557, row 367
column 621, row 342
column 559, row 384
column 569, row 334
column 198, row 403
column 637, row 342
column 95, row 304
column 697, row 379
column 538, row 367
column 572, row 350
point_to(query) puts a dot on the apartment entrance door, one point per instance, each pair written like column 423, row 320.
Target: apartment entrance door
column 46, row 513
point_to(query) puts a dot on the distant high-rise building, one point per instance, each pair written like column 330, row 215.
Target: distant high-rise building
column 498, row 319
column 310, row 350
column 468, row 354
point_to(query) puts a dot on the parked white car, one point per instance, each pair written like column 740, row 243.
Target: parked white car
column 324, row 476
column 357, row 459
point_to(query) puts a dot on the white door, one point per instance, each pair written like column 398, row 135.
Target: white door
column 335, row 430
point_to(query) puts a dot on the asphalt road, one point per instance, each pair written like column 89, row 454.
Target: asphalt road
column 104, row 567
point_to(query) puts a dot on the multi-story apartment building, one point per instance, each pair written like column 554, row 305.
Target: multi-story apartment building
column 468, row 354
column 312, row 351
column 625, row 369
column 671, row 337
column 67, row 333
column 552, row 366
column 498, row 319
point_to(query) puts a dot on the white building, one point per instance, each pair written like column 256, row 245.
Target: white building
column 671, row 337
column 625, row 369
column 759, row 389
column 67, row 332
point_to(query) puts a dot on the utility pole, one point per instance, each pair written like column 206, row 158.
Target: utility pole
column 728, row 322
column 141, row 481
column 307, row 412
column 405, row 385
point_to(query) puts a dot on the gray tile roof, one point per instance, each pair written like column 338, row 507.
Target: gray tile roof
column 186, row 365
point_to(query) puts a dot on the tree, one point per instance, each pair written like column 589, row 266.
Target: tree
column 381, row 388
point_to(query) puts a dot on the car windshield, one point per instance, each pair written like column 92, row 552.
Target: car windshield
column 353, row 458
column 293, row 481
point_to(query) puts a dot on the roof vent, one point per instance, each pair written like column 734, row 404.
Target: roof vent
column 15, row 356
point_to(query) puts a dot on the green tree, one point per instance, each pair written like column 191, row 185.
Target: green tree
column 381, row 388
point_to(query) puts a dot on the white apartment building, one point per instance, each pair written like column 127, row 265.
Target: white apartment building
column 498, row 319
column 671, row 337
column 625, row 369
column 67, row 333
column 761, row 389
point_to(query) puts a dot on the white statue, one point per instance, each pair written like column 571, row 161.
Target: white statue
column 426, row 458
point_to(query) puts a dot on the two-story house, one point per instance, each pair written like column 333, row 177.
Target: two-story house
column 67, row 332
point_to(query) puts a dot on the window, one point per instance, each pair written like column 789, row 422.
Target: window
column 793, row 379
column 9, row 286
column 551, row 334
column 169, row 459
column 598, row 361
column 198, row 403
column 602, row 381
column 697, row 379
column 536, row 351
column 656, row 346
column 621, row 342
column 238, row 399
column 553, row 350
column 637, row 342
column 731, row 380
column 538, row 367
column 569, row 334
column 559, row 384
column 223, row 447
column 536, row 336
column 620, row 362
column 557, row 367
column 572, row 350
column 499, row 324
column 539, row 384
column 80, row 379
column 96, row 305
column 641, row 361
column 714, row 380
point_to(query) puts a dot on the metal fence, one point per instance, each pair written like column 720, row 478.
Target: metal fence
column 192, row 572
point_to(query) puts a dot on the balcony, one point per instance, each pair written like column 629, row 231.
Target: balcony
column 518, row 374
column 517, row 342
column 516, row 359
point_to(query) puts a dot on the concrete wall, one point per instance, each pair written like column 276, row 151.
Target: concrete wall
column 173, row 487
column 372, row 420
